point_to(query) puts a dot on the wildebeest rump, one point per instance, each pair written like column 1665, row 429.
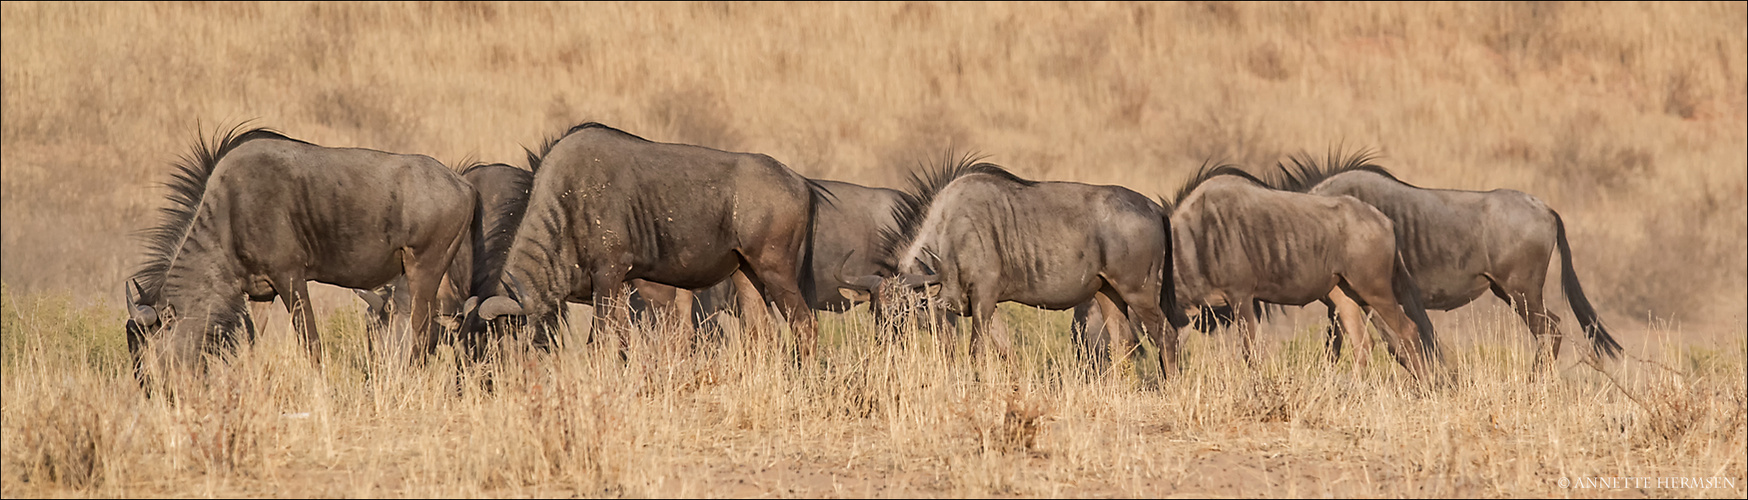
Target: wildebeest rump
column 984, row 236
column 846, row 243
column 1239, row 240
column 257, row 214
column 1458, row 244
column 503, row 192
column 608, row 206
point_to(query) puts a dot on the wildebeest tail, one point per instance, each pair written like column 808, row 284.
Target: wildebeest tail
column 1408, row 295
column 817, row 194
column 1600, row 341
column 1168, row 284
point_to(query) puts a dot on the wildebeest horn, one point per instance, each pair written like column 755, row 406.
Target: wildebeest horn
column 138, row 310
column 467, row 307
column 927, row 267
column 863, row 283
column 916, row 280
column 497, row 306
column 370, row 299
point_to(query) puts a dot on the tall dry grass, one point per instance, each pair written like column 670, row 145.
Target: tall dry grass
column 1631, row 119
column 738, row 418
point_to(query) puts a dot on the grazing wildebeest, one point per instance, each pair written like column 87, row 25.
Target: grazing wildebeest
column 1238, row 240
column 983, row 235
column 1458, row 244
column 846, row 245
column 503, row 193
column 257, row 214
column 608, row 206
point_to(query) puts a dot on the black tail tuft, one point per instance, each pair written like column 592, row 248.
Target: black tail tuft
column 1601, row 343
column 1168, row 285
column 1408, row 294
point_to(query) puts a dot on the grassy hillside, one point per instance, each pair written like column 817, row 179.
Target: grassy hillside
column 1630, row 119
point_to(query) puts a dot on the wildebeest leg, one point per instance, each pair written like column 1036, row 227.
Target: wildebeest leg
column 1526, row 300
column 1143, row 305
column 1247, row 327
column 1400, row 334
column 946, row 327
column 755, row 320
column 258, row 311
column 425, row 267
column 684, row 302
column 983, row 328
column 303, row 315
column 1331, row 333
column 1086, row 329
column 666, row 305
column 1119, row 334
column 612, row 314
column 1347, row 319
column 775, row 276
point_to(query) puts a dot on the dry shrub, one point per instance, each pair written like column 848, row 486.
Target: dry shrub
column 1266, row 62
column 1588, row 157
column 1655, row 285
column 696, row 115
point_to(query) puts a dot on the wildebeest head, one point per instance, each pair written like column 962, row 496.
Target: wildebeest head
column 182, row 327
column 910, row 276
column 891, row 298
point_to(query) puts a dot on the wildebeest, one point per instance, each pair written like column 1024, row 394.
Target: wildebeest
column 1458, row 244
column 983, row 235
column 846, row 246
column 1238, row 240
column 503, row 192
column 608, row 206
column 257, row 214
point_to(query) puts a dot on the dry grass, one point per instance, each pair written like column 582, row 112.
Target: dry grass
column 737, row 419
column 1628, row 118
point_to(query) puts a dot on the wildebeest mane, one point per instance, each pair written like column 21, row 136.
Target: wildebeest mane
column 187, row 187
column 491, row 250
column 925, row 183
column 1306, row 172
column 1207, row 171
column 534, row 158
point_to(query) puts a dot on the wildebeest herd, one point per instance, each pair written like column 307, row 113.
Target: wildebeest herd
column 605, row 218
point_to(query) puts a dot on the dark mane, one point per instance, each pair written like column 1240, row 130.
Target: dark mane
column 492, row 249
column 1208, row 171
column 534, row 158
column 908, row 215
column 187, row 186
column 1306, row 172
column 466, row 165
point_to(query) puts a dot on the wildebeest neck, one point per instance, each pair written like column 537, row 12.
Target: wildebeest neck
column 187, row 187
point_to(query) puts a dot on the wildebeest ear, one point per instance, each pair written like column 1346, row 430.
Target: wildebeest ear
column 497, row 306
column 855, row 295
column 932, row 289
column 135, row 293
